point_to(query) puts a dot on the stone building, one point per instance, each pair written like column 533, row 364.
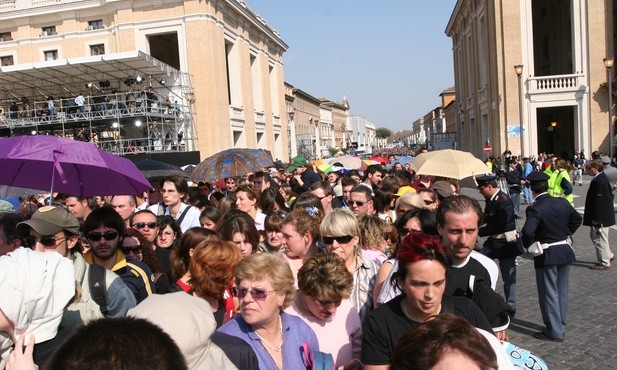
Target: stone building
column 205, row 75
column 560, row 47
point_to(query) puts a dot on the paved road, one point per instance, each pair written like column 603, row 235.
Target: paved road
column 591, row 335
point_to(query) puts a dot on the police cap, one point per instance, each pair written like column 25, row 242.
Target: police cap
column 483, row 180
column 536, row 176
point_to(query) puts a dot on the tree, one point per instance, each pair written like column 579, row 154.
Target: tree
column 383, row 133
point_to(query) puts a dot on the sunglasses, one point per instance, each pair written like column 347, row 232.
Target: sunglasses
column 327, row 304
column 258, row 294
column 135, row 249
column 359, row 203
column 95, row 237
column 279, row 214
column 328, row 240
column 141, row 225
column 46, row 241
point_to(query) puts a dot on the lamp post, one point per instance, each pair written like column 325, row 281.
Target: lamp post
column 608, row 63
column 518, row 69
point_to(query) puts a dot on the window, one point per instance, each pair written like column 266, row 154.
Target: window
column 98, row 49
column 49, row 31
column 95, row 25
column 51, row 55
column 5, row 36
column 6, row 61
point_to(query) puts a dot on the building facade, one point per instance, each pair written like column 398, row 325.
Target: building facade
column 218, row 62
column 560, row 46
column 363, row 135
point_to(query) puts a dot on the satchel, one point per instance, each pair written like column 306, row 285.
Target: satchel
column 315, row 360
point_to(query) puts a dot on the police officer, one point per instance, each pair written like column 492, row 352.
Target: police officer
column 550, row 222
column 503, row 242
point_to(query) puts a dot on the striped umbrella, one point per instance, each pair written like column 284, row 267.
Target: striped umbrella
column 232, row 162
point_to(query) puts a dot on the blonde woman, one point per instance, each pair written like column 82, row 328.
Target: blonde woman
column 341, row 235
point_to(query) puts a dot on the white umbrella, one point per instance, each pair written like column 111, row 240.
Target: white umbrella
column 449, row 163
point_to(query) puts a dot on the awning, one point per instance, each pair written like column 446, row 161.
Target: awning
column 68, row 77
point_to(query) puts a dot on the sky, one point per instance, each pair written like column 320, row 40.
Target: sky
column 390, row 58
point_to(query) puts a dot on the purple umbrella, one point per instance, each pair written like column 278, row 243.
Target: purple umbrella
column 68, row 166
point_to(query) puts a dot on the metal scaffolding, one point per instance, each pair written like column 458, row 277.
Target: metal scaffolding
column 130, row 102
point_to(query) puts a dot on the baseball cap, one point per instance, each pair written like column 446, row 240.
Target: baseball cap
column 49, row 220
column 296, row 162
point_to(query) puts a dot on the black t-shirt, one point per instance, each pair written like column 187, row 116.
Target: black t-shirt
column 457, row 278
column 385, row 325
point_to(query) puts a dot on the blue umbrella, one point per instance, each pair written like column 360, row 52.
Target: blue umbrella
column 404, row 159
column 232, row 162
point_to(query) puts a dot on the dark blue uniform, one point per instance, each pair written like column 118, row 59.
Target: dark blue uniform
column 552, row 220
column 500, row 218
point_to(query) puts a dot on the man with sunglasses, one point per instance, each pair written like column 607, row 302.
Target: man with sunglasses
column 53, row 229
column 361, row 201
column 146, row 223
column 104, row 229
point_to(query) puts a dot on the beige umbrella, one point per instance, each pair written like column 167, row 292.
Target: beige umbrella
column 453, row 164
column 348, row 162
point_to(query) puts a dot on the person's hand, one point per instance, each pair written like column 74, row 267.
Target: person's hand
column 21, row 358
column 353, row 364
column 502, row 336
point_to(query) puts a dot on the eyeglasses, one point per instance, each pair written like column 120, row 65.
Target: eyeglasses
column 359, row 203
column 328, row 240
column 258, row 294
column 141, row 225
column 95, row 237
column 46, row 241
column 327, row 304
column 135, row 249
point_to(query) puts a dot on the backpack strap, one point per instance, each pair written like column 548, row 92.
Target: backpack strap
column 179, row 220
column 98, row 288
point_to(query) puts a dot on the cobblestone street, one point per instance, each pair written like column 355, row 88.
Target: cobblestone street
column 591, row 334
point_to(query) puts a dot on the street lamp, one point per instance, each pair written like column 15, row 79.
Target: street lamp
column 518, row 69
column 608, row 63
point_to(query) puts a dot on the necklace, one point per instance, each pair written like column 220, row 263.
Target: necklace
column 404, row 307
column 266, row 344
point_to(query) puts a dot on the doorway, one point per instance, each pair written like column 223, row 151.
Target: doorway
column 556, row 128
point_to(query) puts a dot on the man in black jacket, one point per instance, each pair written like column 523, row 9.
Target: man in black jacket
column 503, row 242
column 513, row 178
column 599, row 214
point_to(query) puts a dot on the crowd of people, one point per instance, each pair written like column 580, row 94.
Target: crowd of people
column 285, row 269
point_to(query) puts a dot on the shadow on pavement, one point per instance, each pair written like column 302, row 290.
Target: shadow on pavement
column 524, row 327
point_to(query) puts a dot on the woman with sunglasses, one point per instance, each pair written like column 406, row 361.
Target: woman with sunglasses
column 341, row 235
column 418, row 220
column 300, row 234
column 246, row 201
column 423, row 263
column 430, row 199
column 136, row 248
column 322, row 302
column 265, row 287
